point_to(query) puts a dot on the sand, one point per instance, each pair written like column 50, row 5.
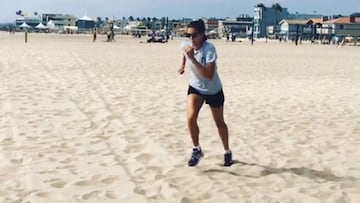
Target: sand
column 106, row 122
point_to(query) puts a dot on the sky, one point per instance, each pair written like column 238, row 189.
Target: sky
column 174, row 9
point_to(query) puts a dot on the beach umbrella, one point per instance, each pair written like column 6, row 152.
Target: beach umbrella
column 25, row 25
column 50, row 24
column 127, row 27
column 41, row 26
column 86, row 18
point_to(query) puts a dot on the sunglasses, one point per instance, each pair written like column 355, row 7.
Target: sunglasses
column 192, row 35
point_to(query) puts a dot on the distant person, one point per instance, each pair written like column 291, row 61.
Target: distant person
column 343, row 42
column 312, row 40
column 205, row 87
column 233, row 37
column 112, row 35
column 171, row 36
column 94, row 34
column 108, row 34
column 153, row 34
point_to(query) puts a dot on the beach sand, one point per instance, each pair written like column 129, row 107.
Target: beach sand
column 106, row 122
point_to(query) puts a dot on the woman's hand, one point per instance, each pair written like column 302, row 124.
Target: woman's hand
column 181, row 69
column 189, row 51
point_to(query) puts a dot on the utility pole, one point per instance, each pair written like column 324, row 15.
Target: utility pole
column 26, row 35
column 297, row 34
column 252, row 33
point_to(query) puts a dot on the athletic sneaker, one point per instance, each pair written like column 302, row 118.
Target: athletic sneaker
column 195, row 157
column 228, row 159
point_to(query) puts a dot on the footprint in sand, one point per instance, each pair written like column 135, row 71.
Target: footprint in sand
column 90, row 195
column 83, row 183
column 7, row 141
column 48, row 172
column 46, row 131
column 42, row 194
column 59, row 184
column 66, row 167
column 52, row 159
column 16, row 161
column 30, row 138
column 111, row 195
column 96, row 141
column 109, row 180
column 144, row 157
column 103, row 165
column 67, row 160
column 52, row 180
column 187, row 200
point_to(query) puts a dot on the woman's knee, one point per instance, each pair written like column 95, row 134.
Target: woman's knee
column 221, row 124
column 191, row 118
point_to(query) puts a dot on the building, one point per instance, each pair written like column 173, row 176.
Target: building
column 180, row 26
column 294, row 29
column 267, row 16
column 136, row 28
column 239, row 26
column 211, row 24
column 85, row 24
column 30, row 20
column 302, row 16
column 59, row 20
column 343, row 26
column 211, row 27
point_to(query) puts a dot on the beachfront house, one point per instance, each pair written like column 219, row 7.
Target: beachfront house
column 32, row 21
column 293, row 28
column 268, row 16
column 342, row 26
column 136, row 28
column 211, row 26
column 85, row 24
column 240, row 26
column 180, row 26
column 58, row 21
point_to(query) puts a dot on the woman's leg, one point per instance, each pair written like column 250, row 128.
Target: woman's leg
column 218, row 115
column 194, row 105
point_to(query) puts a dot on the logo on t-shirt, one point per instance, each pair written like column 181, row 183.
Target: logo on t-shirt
column 203, row 60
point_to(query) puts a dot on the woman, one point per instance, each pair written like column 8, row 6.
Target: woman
column 205, row 86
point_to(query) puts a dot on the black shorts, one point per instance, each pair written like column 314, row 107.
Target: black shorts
column 215, row 100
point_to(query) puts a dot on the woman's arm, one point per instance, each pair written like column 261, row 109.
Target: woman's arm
column 182, row 66
column 208, row 70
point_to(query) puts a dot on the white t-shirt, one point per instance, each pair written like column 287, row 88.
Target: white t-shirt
column 206, row 54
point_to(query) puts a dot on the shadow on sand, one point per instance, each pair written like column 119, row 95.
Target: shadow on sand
column 301, row 171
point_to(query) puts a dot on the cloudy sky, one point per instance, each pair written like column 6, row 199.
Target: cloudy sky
column 172, row 8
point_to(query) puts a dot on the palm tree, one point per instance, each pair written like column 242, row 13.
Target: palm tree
column 98, row 21
column 277, row 7
column 163, row 22
column 148, row 23
column 261, row 5
column 153, row 21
